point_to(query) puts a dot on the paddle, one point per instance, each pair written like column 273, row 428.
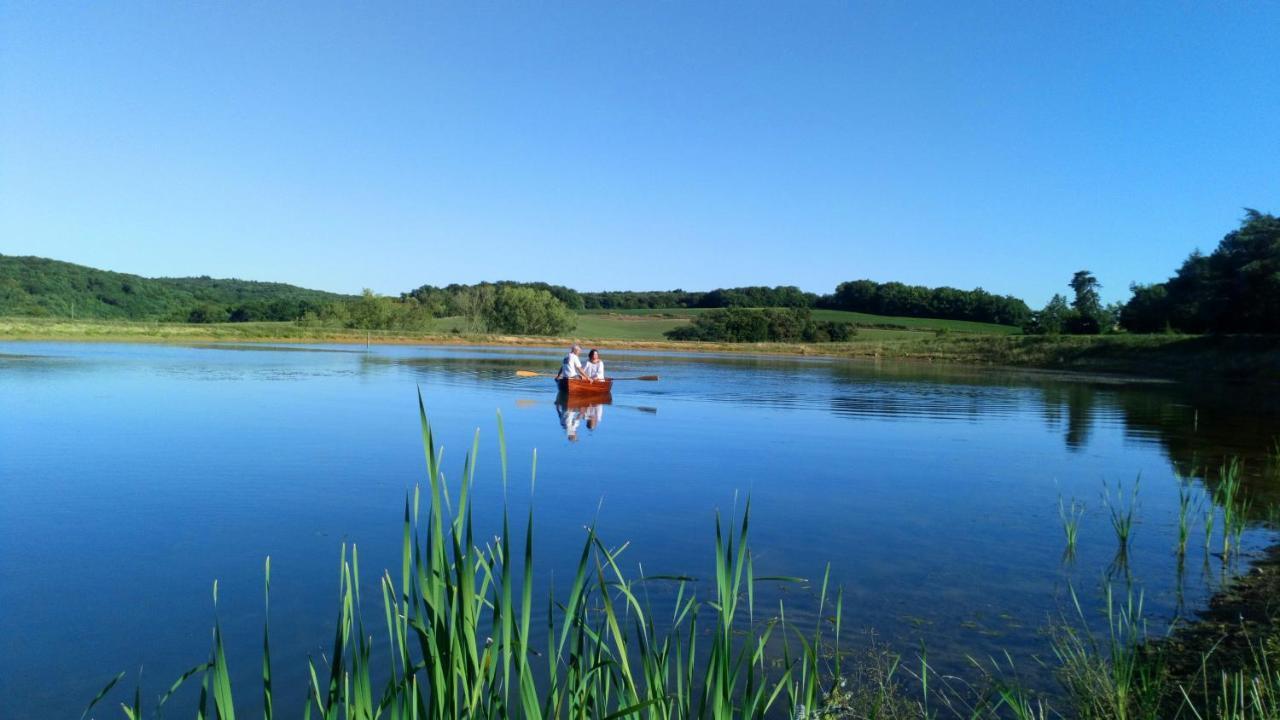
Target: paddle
column 530, row 373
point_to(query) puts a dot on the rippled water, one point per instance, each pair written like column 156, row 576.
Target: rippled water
column 132, row 476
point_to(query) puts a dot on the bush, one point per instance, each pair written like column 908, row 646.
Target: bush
column 762, row 325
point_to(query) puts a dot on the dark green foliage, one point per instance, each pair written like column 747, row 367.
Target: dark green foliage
column 1052, row 320
column 895, row 298
column 371, row 312
column 528, row 311
column 640, row 300
column 1148, row 310
column 762, row 325
column 757, row 296
column 782, row 296
column 39, row 287
column 1236, row 289
column 455, row 299
column 1087, row 315
column 208, row 313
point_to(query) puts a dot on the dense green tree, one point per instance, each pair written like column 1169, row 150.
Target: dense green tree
column 34, row 286
column 371, row 311
column 1148, row 310
column 1052, row 319
column 207, row 313
column 528, row 311
column 1087, row 313
column 895, row 298
column 1235, row 289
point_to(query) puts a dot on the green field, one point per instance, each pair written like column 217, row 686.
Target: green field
column 651, row 324
column 630, row 325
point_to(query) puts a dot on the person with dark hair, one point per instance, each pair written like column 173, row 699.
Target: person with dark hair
column 593, row 368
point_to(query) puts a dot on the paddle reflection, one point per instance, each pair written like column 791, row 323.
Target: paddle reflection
column 575, row 412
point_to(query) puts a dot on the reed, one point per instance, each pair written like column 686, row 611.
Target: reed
column 459, row 625
column 1070, row 521
column 1234, row 505
column 1184, row 515
column 1122, row 510
column 1111, row 676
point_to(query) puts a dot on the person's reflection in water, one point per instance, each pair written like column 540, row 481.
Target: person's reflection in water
column 569, row 419
column 594, row 414
column 573, row 414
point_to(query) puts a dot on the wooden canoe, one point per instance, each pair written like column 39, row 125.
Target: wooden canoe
column 577, row 387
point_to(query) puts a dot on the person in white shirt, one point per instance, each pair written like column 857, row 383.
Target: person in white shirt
column 594, row 367
column 571, row 368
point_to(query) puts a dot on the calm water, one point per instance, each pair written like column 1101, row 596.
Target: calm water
column 132, row 476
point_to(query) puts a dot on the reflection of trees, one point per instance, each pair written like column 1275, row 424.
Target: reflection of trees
column 1200, row 427
column 1197, row 426
column 1075, row 401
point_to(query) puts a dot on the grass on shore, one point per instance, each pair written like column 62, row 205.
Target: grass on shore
column 1168, row 356
column 650, row 324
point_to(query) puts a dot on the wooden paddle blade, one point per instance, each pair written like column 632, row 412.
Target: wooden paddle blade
column 528, row 373
column 647, row 377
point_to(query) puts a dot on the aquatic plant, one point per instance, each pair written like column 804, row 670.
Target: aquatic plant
column 1234, row 505
column 1210, row 512
column 459, row 626
column 1122, row 510
column 1111, row 677
column 1184, row 511
column 1070, row 521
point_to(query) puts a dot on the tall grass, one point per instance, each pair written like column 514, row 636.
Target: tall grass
column 1070, row 520
column 460, row 630
column 1234, row 505
column 1112, row 677
column 1184, row 516
column 1122, row 511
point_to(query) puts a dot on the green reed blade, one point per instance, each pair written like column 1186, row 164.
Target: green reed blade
column 101, row 694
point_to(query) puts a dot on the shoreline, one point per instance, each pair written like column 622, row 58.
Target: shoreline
column 1139, row 357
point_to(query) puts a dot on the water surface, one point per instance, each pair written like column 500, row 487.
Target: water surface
column 132, row 476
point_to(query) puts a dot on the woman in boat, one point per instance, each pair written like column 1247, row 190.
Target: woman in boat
column 593, row 369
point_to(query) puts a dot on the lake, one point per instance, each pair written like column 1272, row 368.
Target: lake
column 133, row 476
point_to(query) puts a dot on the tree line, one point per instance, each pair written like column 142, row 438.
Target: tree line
column 1234, row 289
column 40, row 287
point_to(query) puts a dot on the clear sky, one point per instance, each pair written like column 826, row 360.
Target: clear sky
column 637, row 145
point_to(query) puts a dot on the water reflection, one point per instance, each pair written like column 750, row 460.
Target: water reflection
column 934, row 492
column 575, row 412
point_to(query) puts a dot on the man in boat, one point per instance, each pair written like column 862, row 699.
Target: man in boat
column 571, row 368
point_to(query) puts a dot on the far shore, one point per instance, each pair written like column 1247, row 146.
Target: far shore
column 1238, row 357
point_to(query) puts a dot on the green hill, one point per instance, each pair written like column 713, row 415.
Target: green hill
column 40, row 287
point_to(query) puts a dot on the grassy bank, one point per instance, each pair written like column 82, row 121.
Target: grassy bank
column 1166, row 356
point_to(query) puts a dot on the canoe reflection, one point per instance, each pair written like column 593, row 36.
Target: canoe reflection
column 577, row 411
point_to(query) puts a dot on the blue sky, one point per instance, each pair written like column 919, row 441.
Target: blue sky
column 637, row 145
